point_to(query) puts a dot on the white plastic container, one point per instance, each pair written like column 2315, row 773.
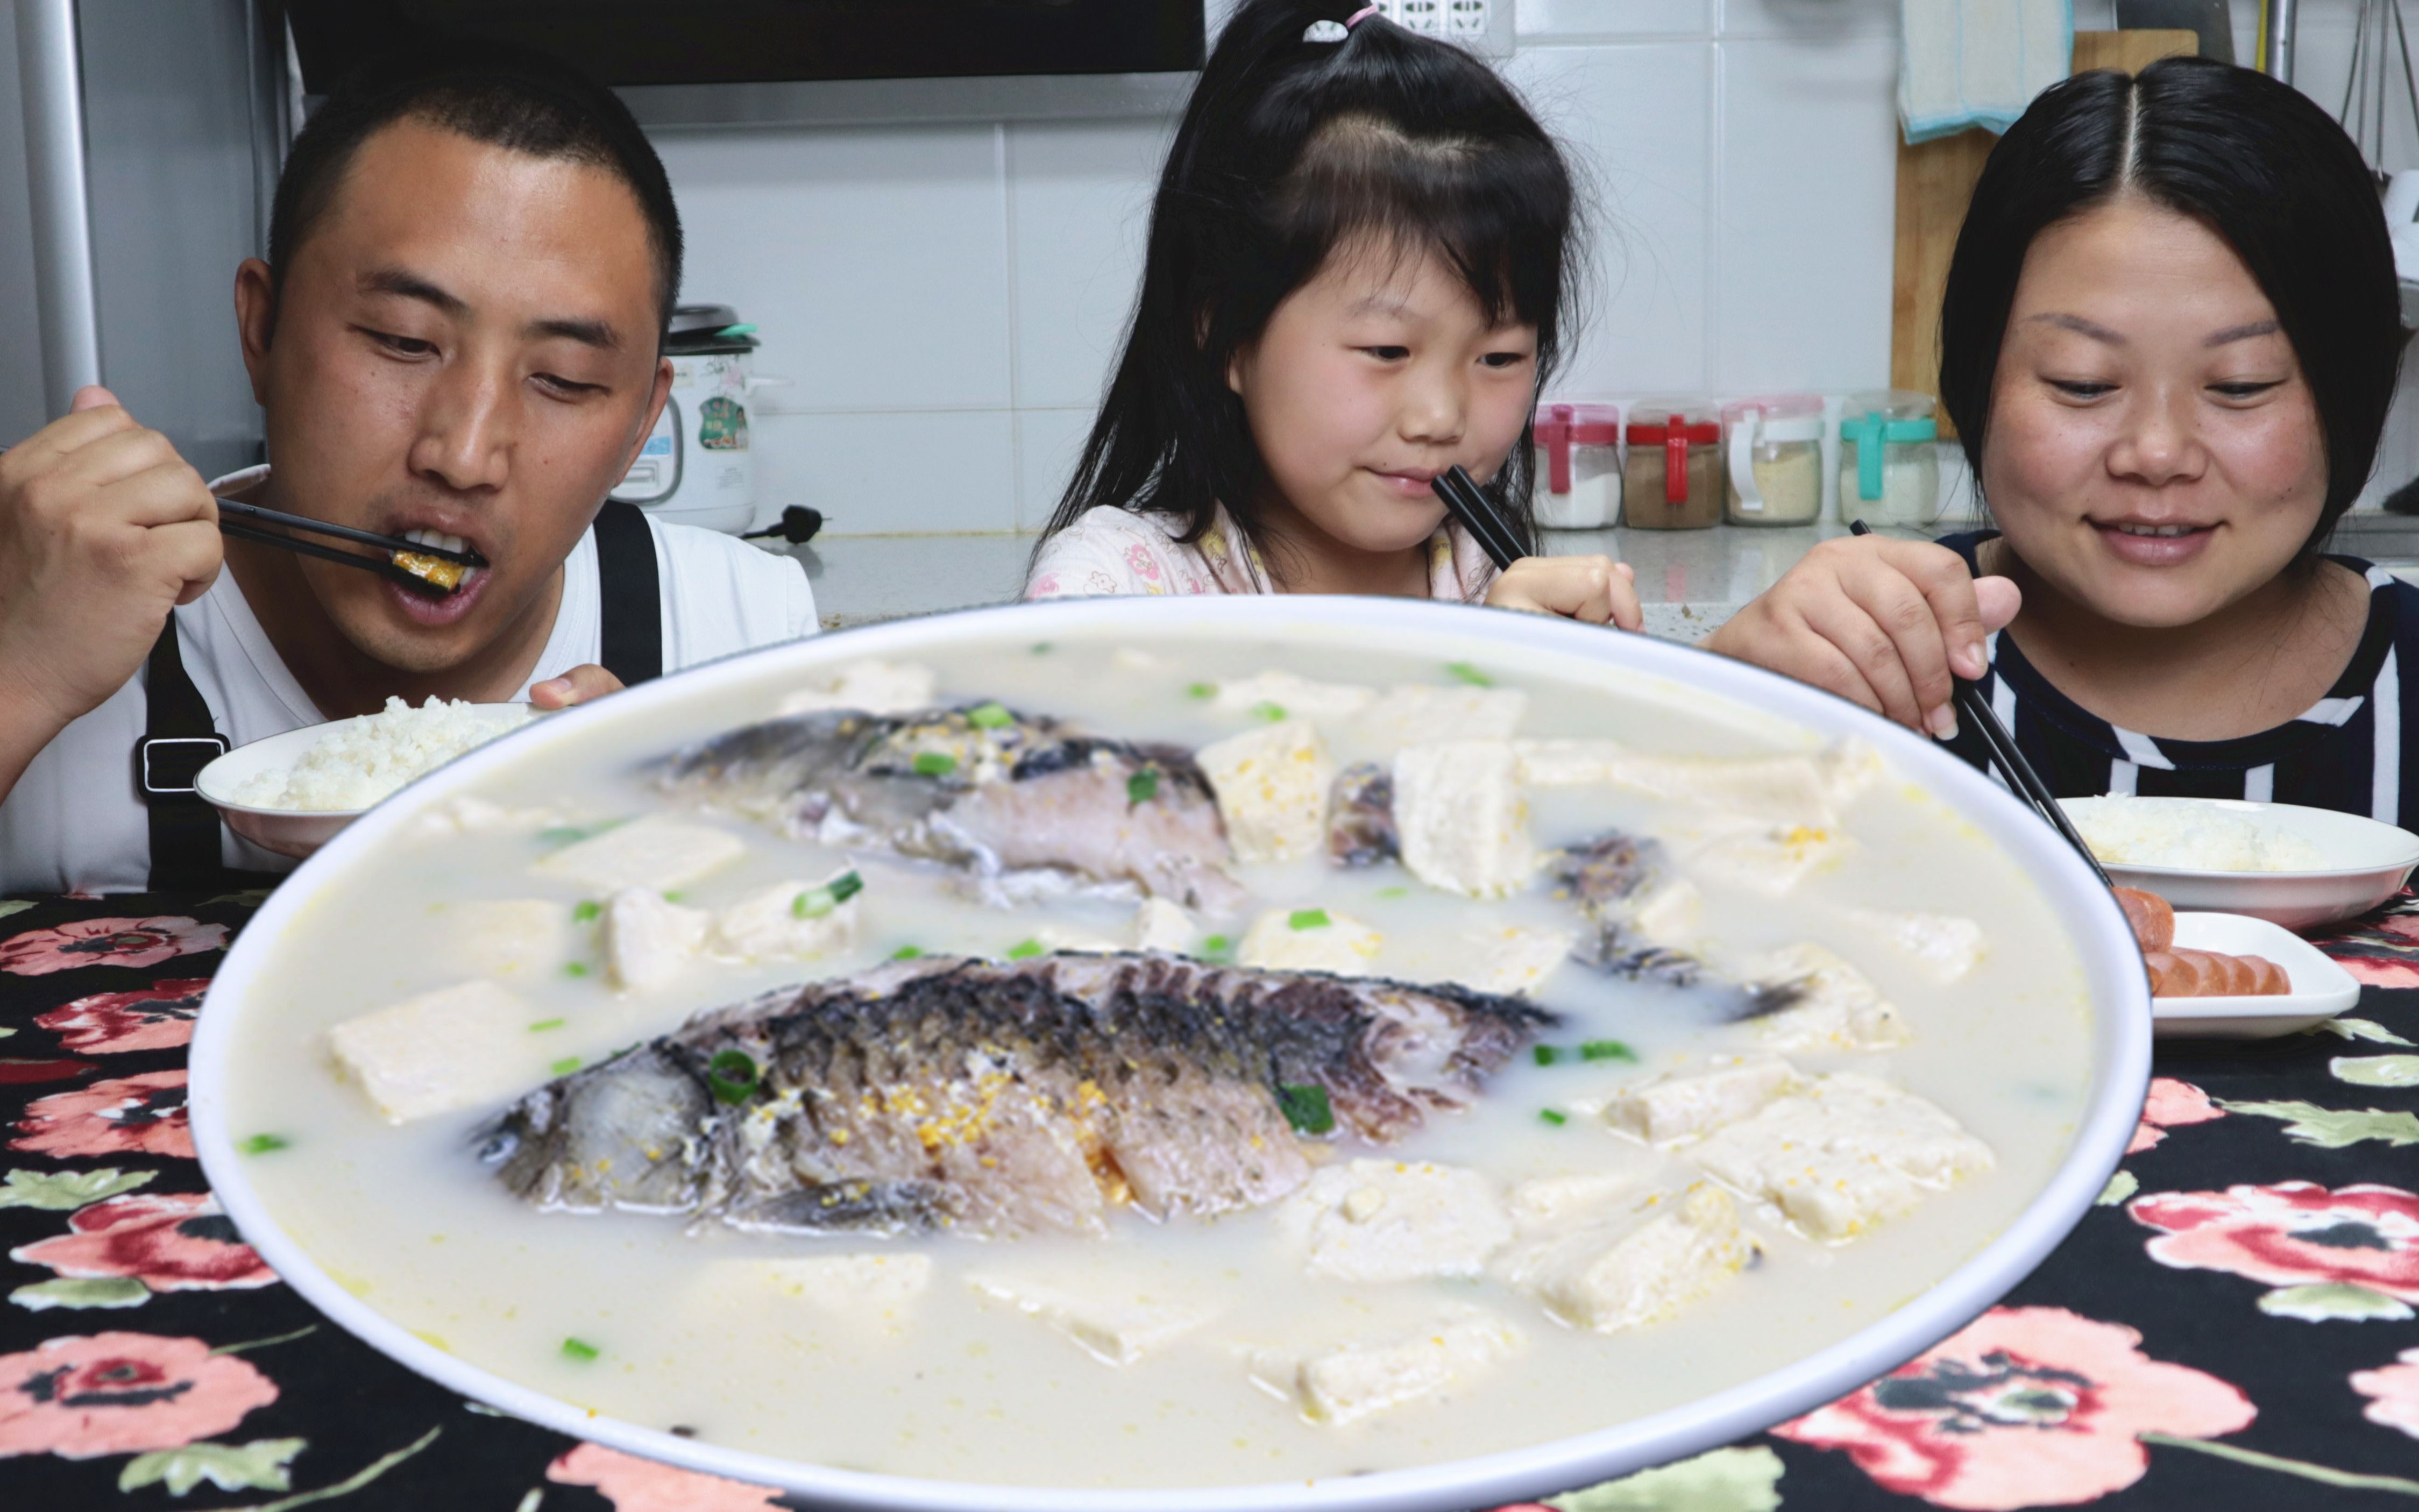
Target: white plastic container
column 697, row 467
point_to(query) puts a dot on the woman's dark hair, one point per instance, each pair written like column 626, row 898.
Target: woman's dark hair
column 2256, row 162
column 1291, row 148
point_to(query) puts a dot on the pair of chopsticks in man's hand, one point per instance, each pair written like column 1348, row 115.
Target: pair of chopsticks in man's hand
column 245, row 521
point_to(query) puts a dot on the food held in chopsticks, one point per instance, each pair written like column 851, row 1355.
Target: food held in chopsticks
column 2186, row 973
column 445, row 575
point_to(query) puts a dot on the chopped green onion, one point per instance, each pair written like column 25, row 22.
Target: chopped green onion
column 1546, row 1055
column 1202, row 690
column 1393, row 892
column 1217, row 948
column 565, row 1066
column 587, row 912
column 675, row 895
column 261, row 1144
column 1269, row 712
column 1549, row 1116
column 581, row 1349
column 544, row 1025
column 845, row 886
column 907, row 952
column 1606, row 1050
column 935, row 764
column 1308, row 918
column 1042, row 648
column 731, row 1076
column 575, row 968
column 1025, row 949
column 567, row 834
column 816, row 902
column 988, row 716
column 1143, row 786
column 1469, row 674
column 1306, row 1108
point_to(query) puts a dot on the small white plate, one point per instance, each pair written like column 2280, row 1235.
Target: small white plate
column 2368, row 862
column 294, row 832
column 2321, row 989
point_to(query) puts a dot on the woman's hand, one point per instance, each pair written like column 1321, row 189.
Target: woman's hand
column 584, row 683
column 1878, row 621
column 1595, row 589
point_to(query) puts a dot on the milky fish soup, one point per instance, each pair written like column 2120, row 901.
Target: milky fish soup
column 1147, row 1063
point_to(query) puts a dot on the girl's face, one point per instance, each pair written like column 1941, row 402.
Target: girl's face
column 1373, row 379
column 2154, row 453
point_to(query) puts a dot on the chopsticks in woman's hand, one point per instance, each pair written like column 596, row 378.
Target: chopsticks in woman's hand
column 244, row 521
column 1467, row 503
column 2025, row 783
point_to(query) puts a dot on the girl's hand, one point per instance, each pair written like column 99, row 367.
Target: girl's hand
column 1878, row 621
column 1597, row 590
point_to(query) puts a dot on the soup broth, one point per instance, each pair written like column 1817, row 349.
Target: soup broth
column 649, row 1319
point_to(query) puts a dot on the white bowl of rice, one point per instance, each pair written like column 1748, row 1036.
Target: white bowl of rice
column 291, row 793
column 2292, row 866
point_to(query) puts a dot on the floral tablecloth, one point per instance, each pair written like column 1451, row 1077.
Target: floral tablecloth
column 2232, row 1326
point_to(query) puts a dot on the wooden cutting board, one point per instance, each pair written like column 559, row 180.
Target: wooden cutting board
column 1935, row 180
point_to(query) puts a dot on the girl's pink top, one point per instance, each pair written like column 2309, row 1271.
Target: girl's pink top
column 1113, row 551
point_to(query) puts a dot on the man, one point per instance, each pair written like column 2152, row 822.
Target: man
column 456, row 332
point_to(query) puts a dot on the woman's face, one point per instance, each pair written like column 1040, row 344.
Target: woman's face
column 1373, row 379
column 2153, row 451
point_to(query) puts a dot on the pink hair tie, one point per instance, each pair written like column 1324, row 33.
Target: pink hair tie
column 1361, row 15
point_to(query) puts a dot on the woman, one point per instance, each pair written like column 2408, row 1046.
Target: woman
column 2169, row 340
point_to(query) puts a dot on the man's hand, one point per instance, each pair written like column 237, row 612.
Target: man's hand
column 1878, row 621
column 582, row 685
column 1597, row 590
column 103, row 529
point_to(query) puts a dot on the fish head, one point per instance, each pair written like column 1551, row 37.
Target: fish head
column 628, row 1133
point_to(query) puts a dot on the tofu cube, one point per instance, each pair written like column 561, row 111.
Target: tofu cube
column 1383, row 1220
column 1569, row 763
column 452, row 1048
column 1547, row 1203
column 1299, row 697
column 1786, row 791
column 767, row 926
column 1053, row 938
column 1843, row 1154
column 1113, row 1320
column 1769, row 861
column 1670, row 913
column 1849, row 769
column 648, row 942
column 654, row 852
column 1357, row 1380
column 1271, row 785
column 1639, row 1268
column 1310, row 939
column 1943, row 947
column 1508, row 959
column 512, row 937
column 1838, row 1008
column 1161, row 925
column 873, row 687
column 1674, row 1106
column 1411, row 714
column 1464, row 817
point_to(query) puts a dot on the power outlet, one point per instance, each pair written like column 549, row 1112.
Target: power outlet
column 1484, row 26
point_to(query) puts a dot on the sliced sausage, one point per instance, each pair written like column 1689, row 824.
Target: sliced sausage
column 2169, row 977
column 2154, row 921
column 2272, row 981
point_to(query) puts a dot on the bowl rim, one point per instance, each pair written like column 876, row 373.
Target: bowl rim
column 2116, row 1005
column 2406, row 865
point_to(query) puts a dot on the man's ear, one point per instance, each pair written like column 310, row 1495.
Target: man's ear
column 255, row 322
column 663, row 391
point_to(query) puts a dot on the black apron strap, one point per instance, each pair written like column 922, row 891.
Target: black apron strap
column 180, row 738
column 630, row 607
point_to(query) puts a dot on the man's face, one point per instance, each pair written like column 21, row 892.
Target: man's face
column 466, row 345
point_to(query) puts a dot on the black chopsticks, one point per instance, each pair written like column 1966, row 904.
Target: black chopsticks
column 1495, row 535
column 2025, row 783
column 242, row 521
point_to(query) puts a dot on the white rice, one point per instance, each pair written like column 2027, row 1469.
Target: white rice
column 2188, row 834
column 359, row 761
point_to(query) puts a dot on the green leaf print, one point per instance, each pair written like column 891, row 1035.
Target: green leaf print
column 2120, row 1186
column 82, row 1291
column 1726, row 1480
column 2377, row 1070
column 257, row 1466
column 2357, row 1029
column 2332, row 1299
column 13, row 905
column 2333, row 1127
column 66, row 1190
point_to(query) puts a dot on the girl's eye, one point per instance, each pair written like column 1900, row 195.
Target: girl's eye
column 1388, row 354
column 2075, row 389
column 1501, row 359
column 2245, row 391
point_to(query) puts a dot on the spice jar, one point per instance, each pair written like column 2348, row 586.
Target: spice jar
column 1578, row 465
column 1776, row 460
column 1673, row 481
column 1889, row 466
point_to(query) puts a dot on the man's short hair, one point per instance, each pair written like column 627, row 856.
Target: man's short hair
column 510, row 97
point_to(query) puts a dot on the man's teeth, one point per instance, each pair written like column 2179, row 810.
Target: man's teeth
column 2161, row 531
column 435, row 538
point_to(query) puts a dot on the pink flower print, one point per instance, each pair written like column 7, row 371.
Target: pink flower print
column 2379, row 971
column 1043, row 586
column 2028, row 1406
column 119, row 1115
column 1141, row 563
column 2293, row 1234
column 635, row 1485
column 107, row 942
column 157, row 1017
column 170, row 1242
column 2393, row 1393
column 113, row 1394
column 2171, row 1103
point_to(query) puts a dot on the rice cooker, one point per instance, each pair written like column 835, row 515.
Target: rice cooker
column 696, row 468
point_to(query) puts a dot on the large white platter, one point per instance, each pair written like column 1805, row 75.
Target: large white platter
column 2119, row 1032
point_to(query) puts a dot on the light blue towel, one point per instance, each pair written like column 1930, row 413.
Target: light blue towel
column 1977, row 62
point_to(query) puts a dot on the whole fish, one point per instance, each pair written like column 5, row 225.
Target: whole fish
column 1022, row 804
column 998, row 1098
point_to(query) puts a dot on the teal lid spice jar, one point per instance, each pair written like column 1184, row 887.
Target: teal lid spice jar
column 1889, row 466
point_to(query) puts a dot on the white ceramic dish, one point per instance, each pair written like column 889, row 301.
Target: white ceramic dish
column 2321, row 989
column 2368, row 863
column 294, row 832
column 2117, row 1031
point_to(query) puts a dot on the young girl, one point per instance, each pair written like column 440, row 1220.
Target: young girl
column 1360, row 254
column 2169, row 340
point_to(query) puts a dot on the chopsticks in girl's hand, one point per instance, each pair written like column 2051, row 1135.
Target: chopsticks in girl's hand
column 244, row 521
column 1485, row 524
column 2028, row 784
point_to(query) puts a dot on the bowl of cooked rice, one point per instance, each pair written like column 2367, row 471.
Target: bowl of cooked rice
column 2297, row 866
column 291, row 794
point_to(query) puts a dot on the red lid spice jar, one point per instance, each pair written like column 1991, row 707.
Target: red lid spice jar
column 1673, row 479
column 1578, row 465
